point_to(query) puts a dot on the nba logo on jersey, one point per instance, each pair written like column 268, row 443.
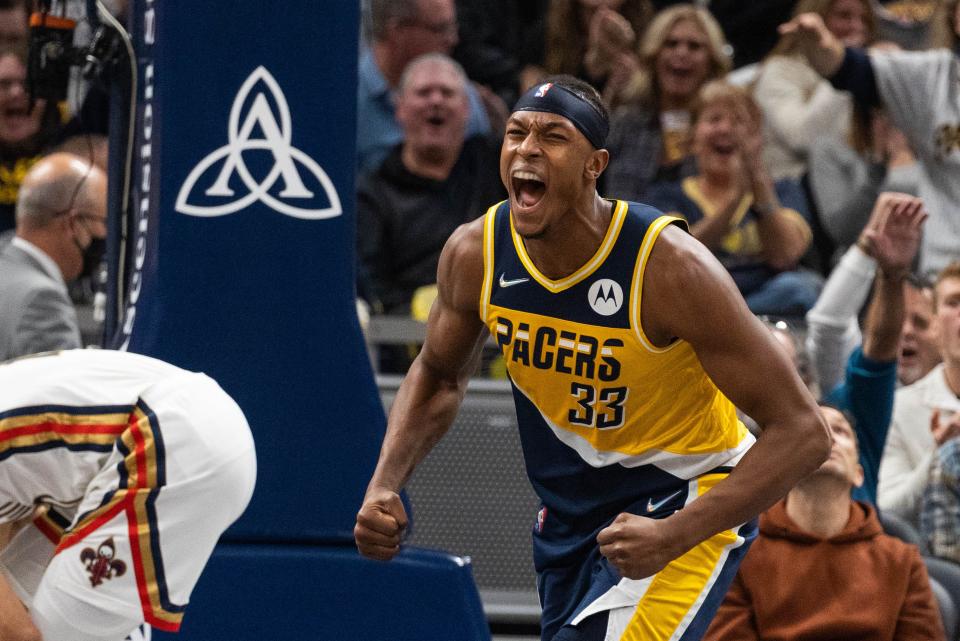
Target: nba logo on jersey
column 543, row 89
column 605, row 297
column 541, row 516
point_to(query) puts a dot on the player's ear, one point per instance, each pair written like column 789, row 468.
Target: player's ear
column 596, row 163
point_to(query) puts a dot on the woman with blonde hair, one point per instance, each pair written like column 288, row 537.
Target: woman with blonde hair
column 682, row 49
column 752, row 224
column 798, row 105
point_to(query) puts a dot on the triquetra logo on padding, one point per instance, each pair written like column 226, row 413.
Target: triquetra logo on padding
column 295, row 199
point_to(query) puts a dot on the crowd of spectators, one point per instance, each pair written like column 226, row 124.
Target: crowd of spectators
column 812, row 145
column 817, row 154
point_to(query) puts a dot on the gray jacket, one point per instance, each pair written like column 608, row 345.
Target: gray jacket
column 36, row 314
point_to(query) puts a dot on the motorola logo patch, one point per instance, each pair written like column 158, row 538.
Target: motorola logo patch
column 605, row 297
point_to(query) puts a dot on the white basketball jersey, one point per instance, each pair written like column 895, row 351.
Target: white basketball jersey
column 60, row 415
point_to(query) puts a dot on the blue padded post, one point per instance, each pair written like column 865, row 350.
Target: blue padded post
column 240, row 256
column 303, row 593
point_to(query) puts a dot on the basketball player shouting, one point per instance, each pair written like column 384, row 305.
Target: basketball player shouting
column 628, row 347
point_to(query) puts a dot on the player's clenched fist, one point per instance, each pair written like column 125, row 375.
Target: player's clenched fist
column 636, row 545
column 381, row 522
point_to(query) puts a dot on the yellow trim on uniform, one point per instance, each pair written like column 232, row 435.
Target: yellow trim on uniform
column 33, row 430
column 142, row 471
column 681, row 585
column 609, row 240
column 489, row 228
column 653, row 232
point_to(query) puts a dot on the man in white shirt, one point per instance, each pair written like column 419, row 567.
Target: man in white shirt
column 60, row 235
column 926, row 414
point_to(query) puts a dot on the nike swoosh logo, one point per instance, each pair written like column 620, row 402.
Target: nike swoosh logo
column 653, row 507
column 510, row 283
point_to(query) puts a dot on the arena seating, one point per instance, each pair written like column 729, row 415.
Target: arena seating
column 947, row 574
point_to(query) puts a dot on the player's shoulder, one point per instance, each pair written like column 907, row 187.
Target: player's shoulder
column 460, row 272
column 465, row 244
column 681, row 262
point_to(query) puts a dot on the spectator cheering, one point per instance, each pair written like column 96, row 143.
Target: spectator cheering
column 428, row 185
column 25, row 131
column 798, row 105
column 682, row 49
column 919, row 91
column 752, row 224
column 926, row 414
column 400, row 31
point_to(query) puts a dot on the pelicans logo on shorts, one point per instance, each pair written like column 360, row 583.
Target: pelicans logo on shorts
column 100, row 562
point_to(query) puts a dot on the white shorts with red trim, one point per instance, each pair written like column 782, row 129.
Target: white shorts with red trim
column 181, row 473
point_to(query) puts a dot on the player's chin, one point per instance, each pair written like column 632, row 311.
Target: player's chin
column 528, row 225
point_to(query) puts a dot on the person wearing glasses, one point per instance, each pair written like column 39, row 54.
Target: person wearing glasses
column 398, row 32
column 60, row 236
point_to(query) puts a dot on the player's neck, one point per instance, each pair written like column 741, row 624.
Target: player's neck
column 820, row 506
column 573, row 238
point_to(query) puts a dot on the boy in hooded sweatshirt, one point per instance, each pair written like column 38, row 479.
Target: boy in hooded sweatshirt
column 822, row 568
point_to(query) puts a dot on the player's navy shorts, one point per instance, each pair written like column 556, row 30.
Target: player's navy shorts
column 590, row 601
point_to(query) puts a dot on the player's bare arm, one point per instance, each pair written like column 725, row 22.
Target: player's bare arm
column 15, row 622
column 427, row 401
column 688, row 295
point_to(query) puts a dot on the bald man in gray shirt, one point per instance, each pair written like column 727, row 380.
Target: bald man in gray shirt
column 61, row 227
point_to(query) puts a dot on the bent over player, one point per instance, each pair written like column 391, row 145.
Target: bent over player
column 624, row 339
column 137, row 467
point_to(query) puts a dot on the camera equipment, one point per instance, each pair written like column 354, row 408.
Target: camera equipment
column 52, row 52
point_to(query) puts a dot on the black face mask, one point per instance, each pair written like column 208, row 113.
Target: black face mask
column 93, row 256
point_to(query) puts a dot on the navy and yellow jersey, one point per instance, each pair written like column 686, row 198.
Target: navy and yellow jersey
column 606, row 417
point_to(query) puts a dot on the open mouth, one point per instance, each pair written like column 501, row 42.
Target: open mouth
column 528, row 188
column 680, row 73
column 908, row 354
column 437, row 120
column 724, row 148
column 15, row 115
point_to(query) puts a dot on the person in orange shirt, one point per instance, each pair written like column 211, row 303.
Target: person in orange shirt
column 814, row 546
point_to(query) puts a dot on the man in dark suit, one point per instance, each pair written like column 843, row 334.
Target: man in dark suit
column 60, row 234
